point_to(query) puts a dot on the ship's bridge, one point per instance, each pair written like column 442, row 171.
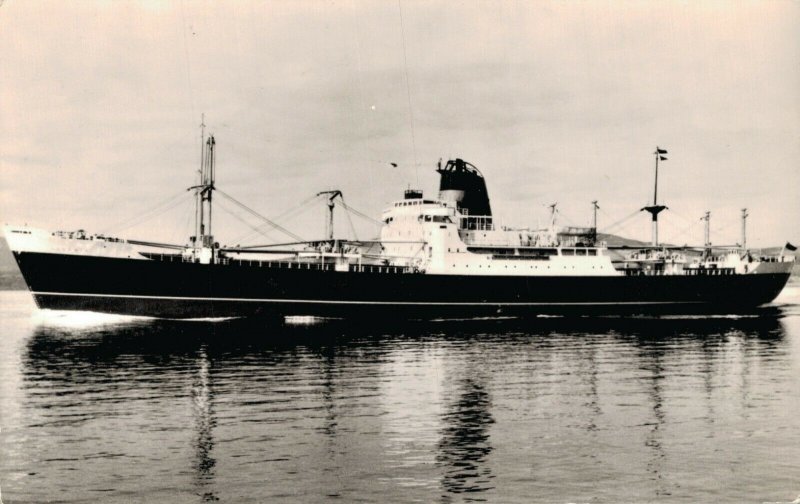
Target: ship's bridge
column 409, row 224
column 415, row 207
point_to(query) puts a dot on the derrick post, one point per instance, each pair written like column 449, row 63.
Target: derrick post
column 655, row 208
column 745, row 215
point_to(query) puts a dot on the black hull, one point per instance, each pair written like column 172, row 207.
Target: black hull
column 185, row 290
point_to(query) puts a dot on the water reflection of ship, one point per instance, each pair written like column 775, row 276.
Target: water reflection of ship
column 203, row 410
column 54, row 352
column 756, row 336
column 328, row 355
column 651, row 363
column 107, row 353
column 129, row 352
column 465, row 445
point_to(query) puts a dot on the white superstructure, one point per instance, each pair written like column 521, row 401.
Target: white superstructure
column 435, row 237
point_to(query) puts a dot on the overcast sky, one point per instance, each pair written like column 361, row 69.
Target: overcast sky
column 100, row 106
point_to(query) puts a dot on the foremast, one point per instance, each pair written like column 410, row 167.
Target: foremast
column 203, row 248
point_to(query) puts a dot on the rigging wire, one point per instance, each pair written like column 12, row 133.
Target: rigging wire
column 187, row 59
column 153, row 212
column 693, row 224
column 608, row 229
column 727, row 229
column 677, row 214
column 188, row 226
column 130, row 221
column 609, row 217
column 302, row 208
column 288, row 214
column 349, row 219
column 252, row 212
column 408, row 91
column 251, row 234
column 300, row 205
column 174, row 228
column 570, row 222
column 673, row 238
column 361, row 214
column 600, row 209
column 243, row 221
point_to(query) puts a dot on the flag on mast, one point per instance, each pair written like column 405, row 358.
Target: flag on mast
column 662, row 158
column 661, row 151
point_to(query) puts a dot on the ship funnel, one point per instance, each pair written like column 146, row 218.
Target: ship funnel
column 462, row 184
column 412, row 194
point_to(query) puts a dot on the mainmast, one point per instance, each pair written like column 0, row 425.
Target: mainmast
column 595, row 208
column 655, row 208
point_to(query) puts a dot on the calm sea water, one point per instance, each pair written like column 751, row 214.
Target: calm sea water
column 678, row 409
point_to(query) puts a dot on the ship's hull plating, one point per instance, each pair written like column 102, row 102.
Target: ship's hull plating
column 186, row 290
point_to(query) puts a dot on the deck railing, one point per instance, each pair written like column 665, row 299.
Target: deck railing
column 684, row 272
column 293, row 265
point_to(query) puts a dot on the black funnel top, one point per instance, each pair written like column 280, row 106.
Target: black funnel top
column 463, row 183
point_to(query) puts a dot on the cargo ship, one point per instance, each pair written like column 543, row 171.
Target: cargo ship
column 443, row 256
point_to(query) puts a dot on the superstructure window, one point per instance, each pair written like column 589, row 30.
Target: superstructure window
column 539, row 252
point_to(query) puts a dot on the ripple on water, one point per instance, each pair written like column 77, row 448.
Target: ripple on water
column 676, row 409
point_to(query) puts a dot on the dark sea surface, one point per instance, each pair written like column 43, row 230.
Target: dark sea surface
column 673, row 409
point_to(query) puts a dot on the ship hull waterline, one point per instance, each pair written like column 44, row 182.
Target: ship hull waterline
column 188, row 290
